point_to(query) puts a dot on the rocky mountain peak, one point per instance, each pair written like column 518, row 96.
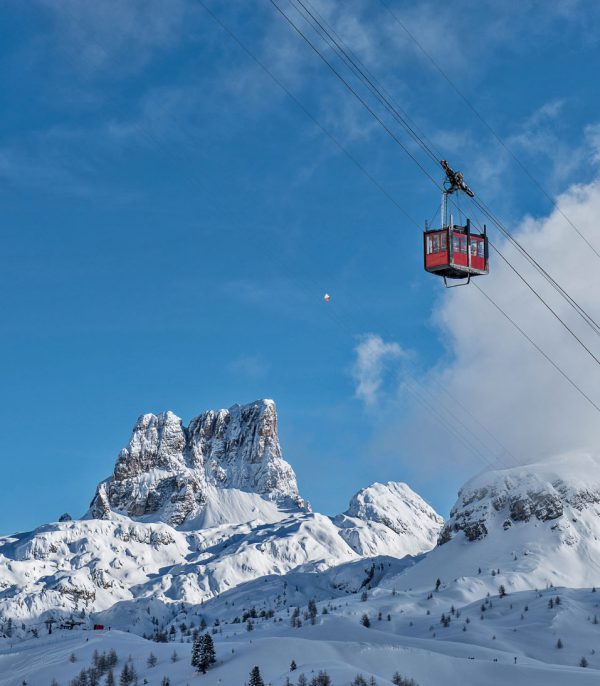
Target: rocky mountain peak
column 170, row 472
column 389, row 517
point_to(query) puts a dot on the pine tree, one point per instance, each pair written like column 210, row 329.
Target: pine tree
column 151, row 661
column 583, row 662
column 438, row 583
column 203, row 653
column 110, row 678
column 125, row 678
column 196, row 652
column 293, row 666
column 174, row 656
column 301, row 680
column 502, row 591
column 365, row 621
column 165, row 681
column 312, row 610
column 559, row 643
column 255, row 677
column 93, row 676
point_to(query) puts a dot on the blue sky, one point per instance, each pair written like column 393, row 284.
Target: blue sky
column 171, row 220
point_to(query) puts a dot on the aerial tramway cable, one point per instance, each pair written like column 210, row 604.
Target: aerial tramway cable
column 488, row 126
column 401, row 118
column 453, row 430
column 383, row 190
column 537, row 347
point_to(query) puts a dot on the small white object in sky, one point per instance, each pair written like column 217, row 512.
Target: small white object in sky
column 327, row 297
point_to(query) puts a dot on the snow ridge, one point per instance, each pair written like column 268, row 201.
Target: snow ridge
column 190, row 513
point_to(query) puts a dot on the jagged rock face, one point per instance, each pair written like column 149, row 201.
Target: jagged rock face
column 169, row 472
column 541, row 493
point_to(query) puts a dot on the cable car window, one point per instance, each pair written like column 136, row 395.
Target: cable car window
column 473, row 249
column 443, row 241
column 429, row 246
column 462, row 244
column 481, row 249
column 455, row 243
column 436, row 243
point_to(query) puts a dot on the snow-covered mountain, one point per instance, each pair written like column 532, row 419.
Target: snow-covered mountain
column 190, row 513
column 205, row 527
column 389, row 519
column 524, row 527
column 177, row 474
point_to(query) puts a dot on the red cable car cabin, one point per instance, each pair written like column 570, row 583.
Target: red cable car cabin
column 455, row 252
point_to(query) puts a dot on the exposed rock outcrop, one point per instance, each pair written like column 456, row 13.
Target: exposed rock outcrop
column 542, row 492
column 169, row 472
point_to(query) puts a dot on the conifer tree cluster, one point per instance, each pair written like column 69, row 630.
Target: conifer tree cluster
column 102, row 665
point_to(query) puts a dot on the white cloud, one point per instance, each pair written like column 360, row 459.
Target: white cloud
column 372, row 354
column 507, row 383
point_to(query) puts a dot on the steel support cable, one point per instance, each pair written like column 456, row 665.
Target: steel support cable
column 454, row 417
column 537, row 347
column 282, row 86
column 326, row 32
column 314, row 120
column 538, row 267
column 488, row 126
column 321, row 26
column 488, row 213
column 565, row 376
column 378, row 185
column 482, row 426
column 450, row 428
column 589, row 320
column 383, row 93
column 352, row 90
column 522, row 249
column 545, row 304
column 440, row 410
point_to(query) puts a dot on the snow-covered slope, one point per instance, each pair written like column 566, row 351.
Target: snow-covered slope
column 484, row 606
column 389, row 519
column 524, row 527
column 190, row 513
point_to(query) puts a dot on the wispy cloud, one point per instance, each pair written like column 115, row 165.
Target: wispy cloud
column 372, row 356
column 115, row 34
column 249, row 366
